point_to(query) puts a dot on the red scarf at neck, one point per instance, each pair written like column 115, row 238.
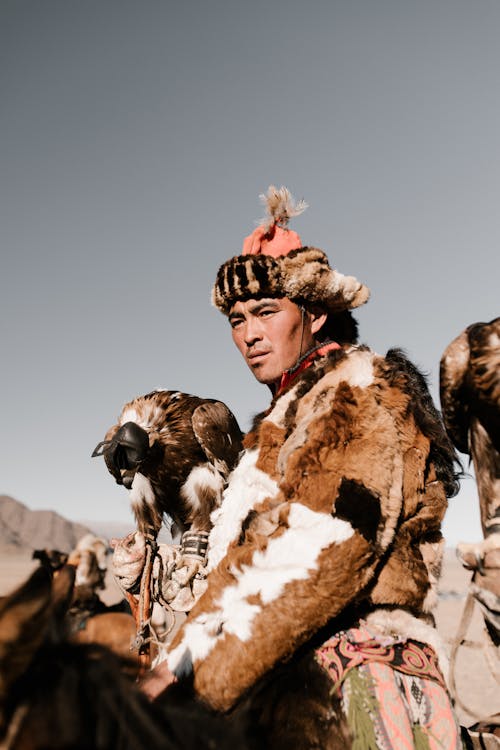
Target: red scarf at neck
column 290, row 375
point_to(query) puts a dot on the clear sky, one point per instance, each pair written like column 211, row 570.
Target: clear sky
column 135, row 140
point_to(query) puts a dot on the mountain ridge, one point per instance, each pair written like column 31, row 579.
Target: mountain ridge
column 21, row 527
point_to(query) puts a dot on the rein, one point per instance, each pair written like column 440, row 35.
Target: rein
column 145, row 605
column 490, row 650
column 194, row 547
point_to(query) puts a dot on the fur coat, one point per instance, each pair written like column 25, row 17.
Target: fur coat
column 335, row 506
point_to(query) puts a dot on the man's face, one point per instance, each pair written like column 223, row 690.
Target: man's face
column 271, row 334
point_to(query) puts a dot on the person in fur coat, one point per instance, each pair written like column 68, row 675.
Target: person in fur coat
column 329, row 529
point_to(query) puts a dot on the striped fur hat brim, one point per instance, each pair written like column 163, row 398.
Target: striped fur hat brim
column 304, row 275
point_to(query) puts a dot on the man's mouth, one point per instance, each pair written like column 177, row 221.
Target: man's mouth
column 255, row 357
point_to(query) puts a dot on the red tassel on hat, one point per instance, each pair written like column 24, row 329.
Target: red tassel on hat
column 272, row 237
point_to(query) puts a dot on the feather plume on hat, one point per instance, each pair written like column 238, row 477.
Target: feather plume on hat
column 274, row 263
column 272, row 236
column 280, row 207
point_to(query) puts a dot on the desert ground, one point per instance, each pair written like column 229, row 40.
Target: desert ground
column 476, row 686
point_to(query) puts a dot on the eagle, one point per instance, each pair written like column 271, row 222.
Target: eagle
column 173, row 452
column 470, row 401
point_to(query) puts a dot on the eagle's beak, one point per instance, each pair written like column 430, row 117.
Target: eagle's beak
column 100, row 448
column 127, row 479
column 124, row 453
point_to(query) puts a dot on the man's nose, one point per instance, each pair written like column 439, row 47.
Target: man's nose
column 252, row 331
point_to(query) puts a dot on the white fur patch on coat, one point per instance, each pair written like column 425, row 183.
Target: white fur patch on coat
column 247, row 487
column 289, row 557
column 357, row 368
column 277, row 415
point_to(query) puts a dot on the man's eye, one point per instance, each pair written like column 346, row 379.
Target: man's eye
column 235, row 322
column 265, row 313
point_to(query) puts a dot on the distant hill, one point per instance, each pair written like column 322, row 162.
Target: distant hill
column 119, row 529
column 23, row 528
column 110, row 529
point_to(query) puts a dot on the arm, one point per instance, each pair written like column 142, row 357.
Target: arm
column 339, row 499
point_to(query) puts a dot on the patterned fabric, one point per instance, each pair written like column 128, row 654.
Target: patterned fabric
column 389, row 710
column 392, row 691
column 356, row 646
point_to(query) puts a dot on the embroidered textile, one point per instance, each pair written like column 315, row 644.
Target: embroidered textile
column 357, row 646
column 390, row 710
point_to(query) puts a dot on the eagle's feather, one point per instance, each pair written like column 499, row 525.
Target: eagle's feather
column 470, row 400
column 174, row 453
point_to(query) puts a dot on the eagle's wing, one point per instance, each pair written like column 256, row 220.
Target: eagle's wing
column 470, row 383
column 453, row 371
column 218, row 434
column 484, row 376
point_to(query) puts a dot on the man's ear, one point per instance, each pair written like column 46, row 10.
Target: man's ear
column 318, row 319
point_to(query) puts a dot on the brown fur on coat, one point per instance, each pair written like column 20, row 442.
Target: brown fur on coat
column 358, row 467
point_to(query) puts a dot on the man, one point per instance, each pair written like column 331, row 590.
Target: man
column 331, row 521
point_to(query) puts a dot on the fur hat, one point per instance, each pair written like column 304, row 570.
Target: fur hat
column 274, row 264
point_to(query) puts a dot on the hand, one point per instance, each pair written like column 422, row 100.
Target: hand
column 156, row 680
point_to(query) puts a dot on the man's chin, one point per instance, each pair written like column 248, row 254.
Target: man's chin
column 264, row 377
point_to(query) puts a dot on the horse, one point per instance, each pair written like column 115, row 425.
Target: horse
column 51, row 559
column 88, row 618
column 62, row 695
